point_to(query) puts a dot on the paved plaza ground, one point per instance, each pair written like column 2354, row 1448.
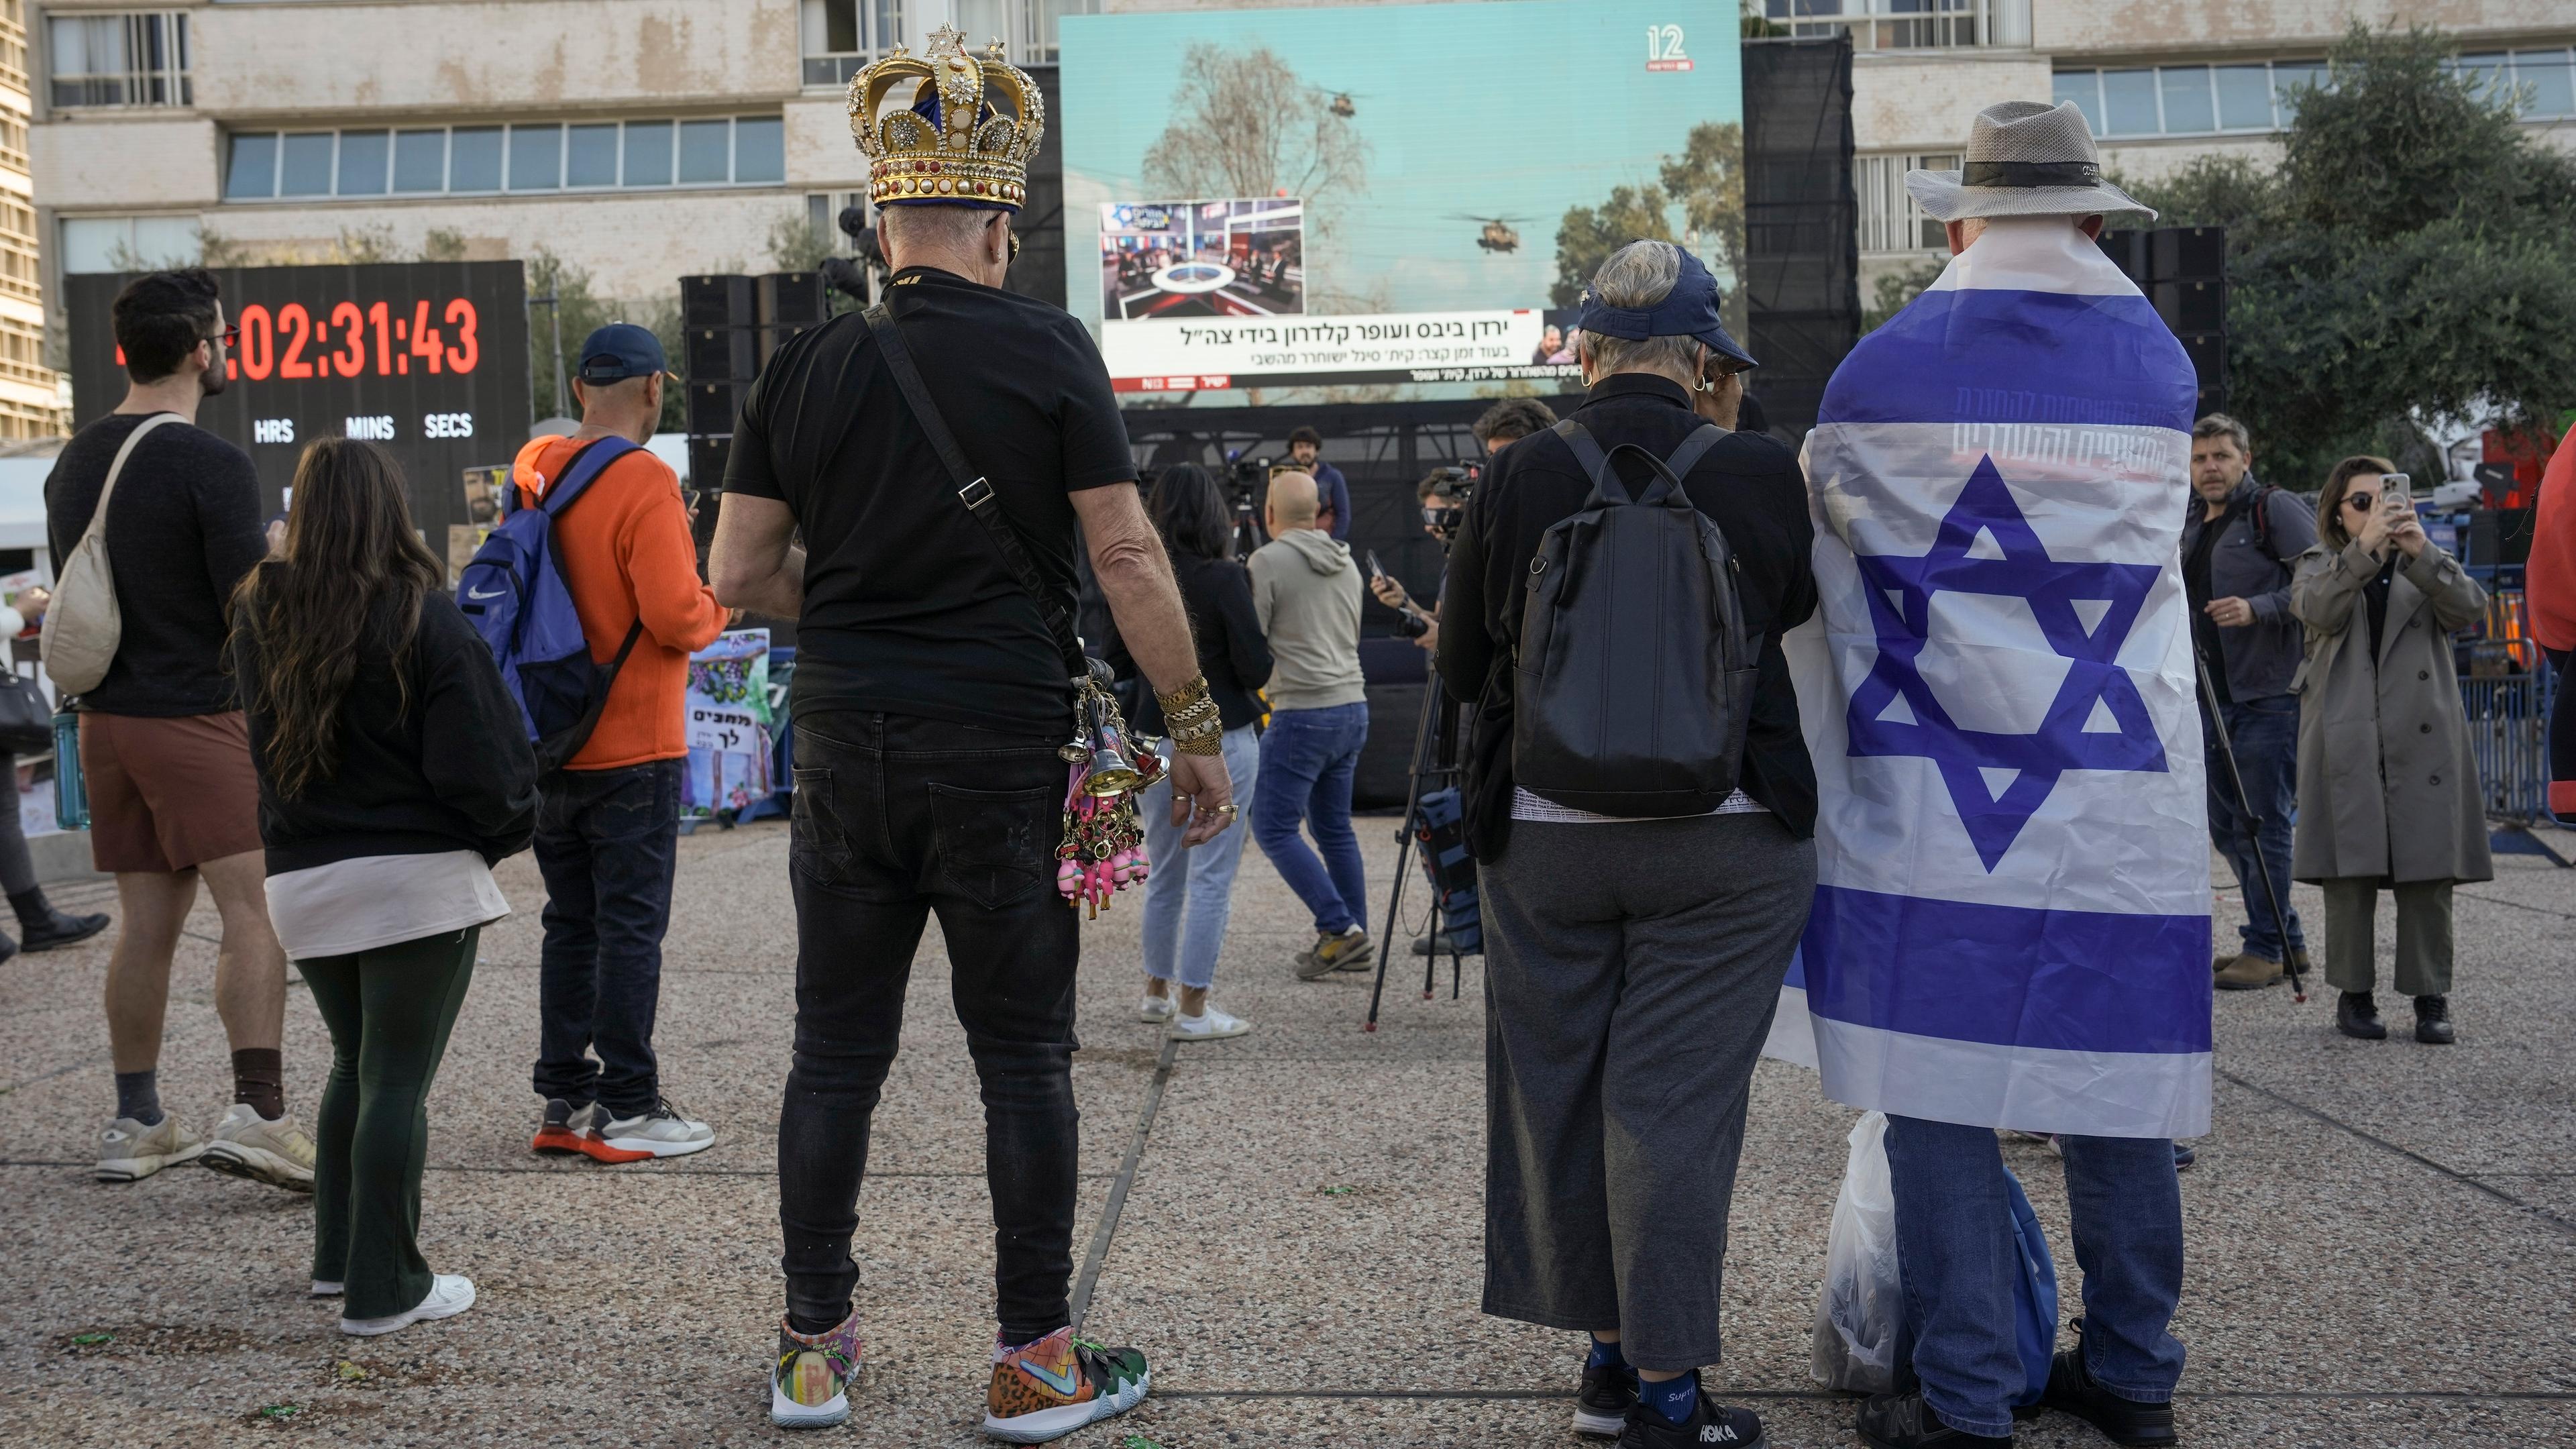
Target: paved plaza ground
column 2383, row 1235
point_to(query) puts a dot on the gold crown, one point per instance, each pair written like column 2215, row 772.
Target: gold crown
column 990, row 116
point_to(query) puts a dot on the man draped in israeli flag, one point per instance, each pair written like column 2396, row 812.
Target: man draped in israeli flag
column 2011, row 925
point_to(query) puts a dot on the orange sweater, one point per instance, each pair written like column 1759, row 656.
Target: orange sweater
column 2549, row 580
column 626, row 553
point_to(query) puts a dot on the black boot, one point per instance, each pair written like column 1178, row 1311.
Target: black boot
column 1903, row 1421
column 43, row 928
column 2071, row 1390
column 2356, row 1015
column 2433, row 1021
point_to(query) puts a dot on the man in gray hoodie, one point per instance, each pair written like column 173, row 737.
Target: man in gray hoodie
column 1307, row 591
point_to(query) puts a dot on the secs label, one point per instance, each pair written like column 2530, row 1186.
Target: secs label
column 447, row 425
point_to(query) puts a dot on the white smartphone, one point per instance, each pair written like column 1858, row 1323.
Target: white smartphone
column 2396, row 488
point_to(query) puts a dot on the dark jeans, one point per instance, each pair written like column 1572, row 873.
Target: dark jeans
column 606, row 843
column 2266, row 735
column 389, row 1011
column 1308, row 759
column 1957, row 1259
column 897, row 818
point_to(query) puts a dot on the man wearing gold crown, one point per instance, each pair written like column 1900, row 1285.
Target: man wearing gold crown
column 936, row 453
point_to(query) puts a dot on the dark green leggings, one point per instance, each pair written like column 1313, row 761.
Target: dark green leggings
column 389, row 1010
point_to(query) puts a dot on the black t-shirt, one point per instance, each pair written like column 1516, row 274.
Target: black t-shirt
column 2374, row 597
column 2195, row 590
column 909, row 608
column 183, row 528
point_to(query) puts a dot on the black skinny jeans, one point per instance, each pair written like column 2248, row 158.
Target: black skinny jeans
column 895, row 818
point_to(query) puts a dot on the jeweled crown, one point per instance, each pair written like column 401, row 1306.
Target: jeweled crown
column 960, row 130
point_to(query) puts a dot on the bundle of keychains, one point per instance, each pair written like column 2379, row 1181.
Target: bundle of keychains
column 1104, row 846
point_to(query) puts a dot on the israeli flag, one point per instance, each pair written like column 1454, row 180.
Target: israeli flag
column 2011, row 925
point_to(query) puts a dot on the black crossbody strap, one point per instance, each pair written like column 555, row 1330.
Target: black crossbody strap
column 976, row 492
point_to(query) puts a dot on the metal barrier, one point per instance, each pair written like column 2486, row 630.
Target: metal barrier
column 2509, row 737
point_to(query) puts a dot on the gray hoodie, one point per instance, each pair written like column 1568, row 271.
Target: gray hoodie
column 1307, row 591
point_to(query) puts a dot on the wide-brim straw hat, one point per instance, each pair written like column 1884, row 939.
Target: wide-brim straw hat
column 2024, row 158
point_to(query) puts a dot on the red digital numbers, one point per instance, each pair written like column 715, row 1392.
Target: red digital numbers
column 337, row 345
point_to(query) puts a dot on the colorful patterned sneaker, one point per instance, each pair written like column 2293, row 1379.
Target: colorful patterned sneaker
column 809, row 1386
column 246, row 1145
column 128, row 1151
column 566, row 1129
column 1048, row 1389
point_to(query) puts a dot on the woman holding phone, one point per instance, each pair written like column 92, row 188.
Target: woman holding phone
column 2388, row 792
column 394, row 770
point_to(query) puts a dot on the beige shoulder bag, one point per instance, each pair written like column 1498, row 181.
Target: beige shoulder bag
column 83, row 624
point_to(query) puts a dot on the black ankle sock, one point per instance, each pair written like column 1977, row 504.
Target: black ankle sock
column 32, row 907
column 810, row 1326
column 138, row 1095
column 259, row 1078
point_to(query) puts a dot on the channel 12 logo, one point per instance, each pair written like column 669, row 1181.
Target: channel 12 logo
column 1664, row 48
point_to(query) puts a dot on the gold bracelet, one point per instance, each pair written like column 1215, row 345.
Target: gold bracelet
column 1209, row 743
column 1179, row 700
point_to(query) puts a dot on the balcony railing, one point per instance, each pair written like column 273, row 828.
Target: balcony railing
column 1905, row 24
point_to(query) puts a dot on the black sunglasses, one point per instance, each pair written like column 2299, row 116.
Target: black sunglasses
column 2364, row 501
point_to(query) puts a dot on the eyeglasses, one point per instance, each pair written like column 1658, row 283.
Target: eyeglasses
column 2362, row 502
column 230, row 336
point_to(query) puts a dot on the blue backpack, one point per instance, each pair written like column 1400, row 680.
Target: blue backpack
column 515, row 594
column 2034, row 1294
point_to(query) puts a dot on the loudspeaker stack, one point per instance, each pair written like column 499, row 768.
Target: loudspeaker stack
column 2183, row 271
column 734, row 324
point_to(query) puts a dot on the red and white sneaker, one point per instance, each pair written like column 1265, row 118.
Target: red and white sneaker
column 567, row 1128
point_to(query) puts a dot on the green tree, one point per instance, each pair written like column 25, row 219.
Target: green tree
column 2412, row 257
column 1707, row 178
column 583, row 312
column 1898, row 289
column 1589, row 234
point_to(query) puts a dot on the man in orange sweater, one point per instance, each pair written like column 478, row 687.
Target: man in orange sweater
column 608, row 822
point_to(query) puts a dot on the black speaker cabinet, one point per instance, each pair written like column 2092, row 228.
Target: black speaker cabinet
column 722, row 354
column 713, row 407
column 2188, row 253
column 716, row 301
column 790, row 299
column 2189, row 307
column 2127, row 251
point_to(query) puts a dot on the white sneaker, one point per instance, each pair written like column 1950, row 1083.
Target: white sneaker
column 663, row 1132
column 245, row 1144
column 324, row 1288
column 1154, row 1010
column 128, row 1151
column 1212, row 1025
column 449, row 1295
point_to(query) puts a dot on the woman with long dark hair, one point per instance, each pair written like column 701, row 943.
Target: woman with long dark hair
column 1190, row 894
column 394, row 770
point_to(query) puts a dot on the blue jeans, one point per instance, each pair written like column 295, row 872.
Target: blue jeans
column 1190, row 894
column 606, row 844
column 2266, row 735
column 1307, row 760
column 1955, row 1252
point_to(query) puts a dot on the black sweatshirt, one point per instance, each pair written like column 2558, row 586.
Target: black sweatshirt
column 441, row 764
column 183, row 528
column 1232, row 652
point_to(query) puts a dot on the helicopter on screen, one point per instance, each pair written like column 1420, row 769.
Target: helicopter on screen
column 1497, row 234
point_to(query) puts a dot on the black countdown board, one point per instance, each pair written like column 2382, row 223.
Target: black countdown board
column 427, row 359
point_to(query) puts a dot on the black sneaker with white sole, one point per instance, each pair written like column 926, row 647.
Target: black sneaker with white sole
column 1710, row 1424
column 1601, row 1406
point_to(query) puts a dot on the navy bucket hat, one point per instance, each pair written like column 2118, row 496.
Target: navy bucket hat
column 1688, row 310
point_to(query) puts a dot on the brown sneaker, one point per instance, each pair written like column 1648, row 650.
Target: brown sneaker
column 1350, row 951
column 2249, row 972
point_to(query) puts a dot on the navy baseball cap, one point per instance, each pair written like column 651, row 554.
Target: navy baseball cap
column 622, row 350
column 1688, row 310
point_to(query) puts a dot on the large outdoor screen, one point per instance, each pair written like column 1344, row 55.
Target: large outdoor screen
column 1382, row 202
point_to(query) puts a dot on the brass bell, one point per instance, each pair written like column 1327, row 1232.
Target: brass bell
column 1112, row 772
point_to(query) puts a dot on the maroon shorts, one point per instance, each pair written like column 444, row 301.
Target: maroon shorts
column 168, row 794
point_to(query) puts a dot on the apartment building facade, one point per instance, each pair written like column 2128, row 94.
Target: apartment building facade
column 640, row 140
column 30, row 392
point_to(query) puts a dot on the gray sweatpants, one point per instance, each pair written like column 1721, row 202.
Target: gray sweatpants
column 1631, row 973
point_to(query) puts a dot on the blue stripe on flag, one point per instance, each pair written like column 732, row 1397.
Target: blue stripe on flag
column 2008, row 975
column 2037, row 358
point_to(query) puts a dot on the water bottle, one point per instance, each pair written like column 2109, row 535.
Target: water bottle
column 71, row 802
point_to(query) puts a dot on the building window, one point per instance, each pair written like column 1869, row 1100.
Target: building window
column 465, row 160
column 119, row 60
column 1026, row 28
column 128, row 243
column 1906, row 24
column 2538, row 84
column 843, row 35
column 2190, row 100
column 1889, row 219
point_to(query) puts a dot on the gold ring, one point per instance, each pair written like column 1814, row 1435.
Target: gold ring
column 1225, row 809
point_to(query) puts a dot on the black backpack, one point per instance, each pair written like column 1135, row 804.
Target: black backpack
column 1633, row 679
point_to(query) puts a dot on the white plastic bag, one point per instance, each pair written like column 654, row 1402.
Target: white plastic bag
column 1863, row 1306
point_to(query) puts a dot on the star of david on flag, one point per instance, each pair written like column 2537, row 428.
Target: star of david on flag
column 2085, row 611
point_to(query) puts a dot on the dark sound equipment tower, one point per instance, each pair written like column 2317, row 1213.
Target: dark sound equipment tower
column 1802, row 244
column 2183, row 271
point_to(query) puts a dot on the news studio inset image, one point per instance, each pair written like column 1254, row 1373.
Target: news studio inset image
column 1203, row 258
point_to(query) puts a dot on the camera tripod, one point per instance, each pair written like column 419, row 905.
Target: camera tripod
column 1435, row 765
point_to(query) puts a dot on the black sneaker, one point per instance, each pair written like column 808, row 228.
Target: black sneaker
column 1903, row 1421
column 2433, row 1021
column 1601, row 1406
column 2071, row 1390
column 1709, row 1424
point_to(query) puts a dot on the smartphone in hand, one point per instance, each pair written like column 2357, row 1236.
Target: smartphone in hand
column 1376, row 571
column 2397, row 488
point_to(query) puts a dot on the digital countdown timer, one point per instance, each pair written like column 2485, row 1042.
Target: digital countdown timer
column 429, row 360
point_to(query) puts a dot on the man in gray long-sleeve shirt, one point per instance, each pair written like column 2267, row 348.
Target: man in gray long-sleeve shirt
column 1307, row 591
column 2236, row 549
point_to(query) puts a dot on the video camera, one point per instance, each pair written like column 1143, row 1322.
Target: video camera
column 848, row 275
column 1444, row 508
column 1245, row 480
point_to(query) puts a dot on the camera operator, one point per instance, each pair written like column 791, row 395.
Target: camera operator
column 1443, row 494
column 1305, row 447
column 1509, row 421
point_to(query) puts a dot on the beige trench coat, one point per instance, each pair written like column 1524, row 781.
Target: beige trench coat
column 2387, row 786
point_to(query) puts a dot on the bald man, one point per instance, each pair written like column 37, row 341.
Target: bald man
column 1307, row 591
